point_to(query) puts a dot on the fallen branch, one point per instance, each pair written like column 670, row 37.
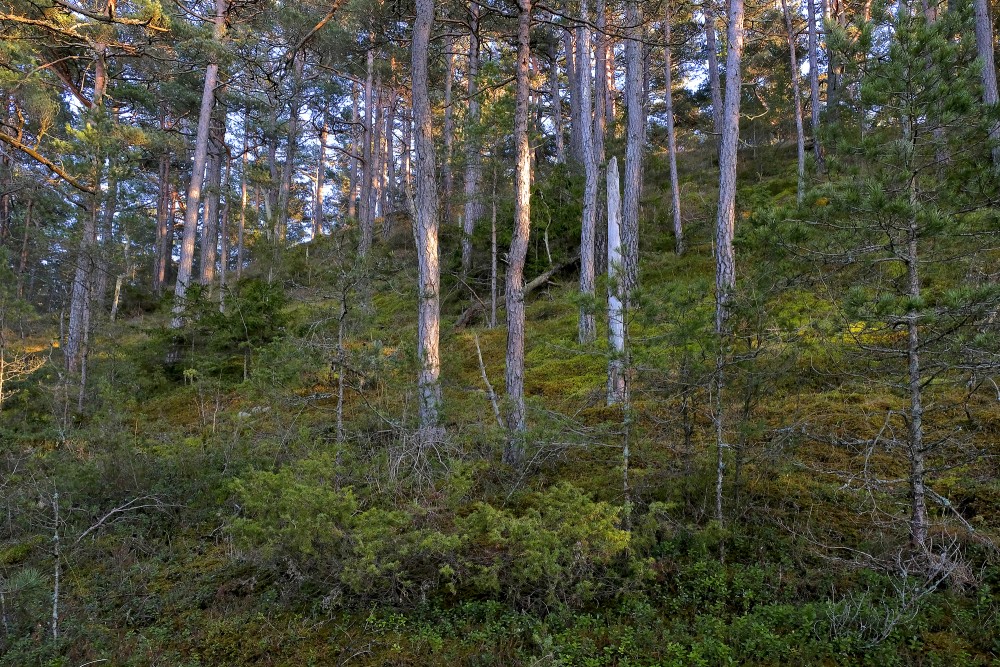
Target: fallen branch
column 486, row 380
column 477, row 308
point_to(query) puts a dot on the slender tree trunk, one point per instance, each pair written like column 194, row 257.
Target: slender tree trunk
column 367, row 167
column 426, row 230
column 244, row 200
column 164, row 226
column 378, row 169
column 917, row 452
column 557, row 119
column 601, row 107
column 184, row 269
column 22, row 266
column 473, row 159
column 291, row 144
column 587, row 326
column 668, row 96
column 106, row 241
column 352, row 178
column 814, row 81
column 616, row 308
column 800, row 136
column 224, row 229
column 324, row 137
column 573, row 78
column 493, row 255
column 406, row 149
column 447, row 178
column 213, row 197
column 714, row 85
column 390, row 161
column 984, row 46
column 516, row 416
column 725, row 268
column 634, row 139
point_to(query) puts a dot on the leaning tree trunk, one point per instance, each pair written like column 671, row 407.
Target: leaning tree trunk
column 473, row 160
column 668, row 95
column 725, row 267
column 587, row 325
column 984, row 45
column 516, row 415
column 425, row 227
column 800, row 137
column 186, row 263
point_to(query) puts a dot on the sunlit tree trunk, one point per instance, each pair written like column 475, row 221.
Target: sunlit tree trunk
column 587, row 326
column 668, row 96
column 516, row 415
column 186, row 264
column 426, row 229
column 725, row 258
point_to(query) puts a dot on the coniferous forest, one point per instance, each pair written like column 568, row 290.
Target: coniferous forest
column 574, row 333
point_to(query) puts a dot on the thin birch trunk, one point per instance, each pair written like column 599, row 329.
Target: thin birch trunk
column 616, row 308
column 800, row 137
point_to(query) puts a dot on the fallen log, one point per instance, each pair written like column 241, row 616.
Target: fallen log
column 469, row 315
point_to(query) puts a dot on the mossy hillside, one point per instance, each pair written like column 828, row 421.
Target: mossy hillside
column 271, row 543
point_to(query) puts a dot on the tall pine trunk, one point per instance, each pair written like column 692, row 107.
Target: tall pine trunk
column 984, row 45
column 516, row 414
column 193, row 203
column 668, row 96
column 814, row 81
column 587, row 326
column 473, row 160
column 634, row 140
column 725, row 268
column 425, row 227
